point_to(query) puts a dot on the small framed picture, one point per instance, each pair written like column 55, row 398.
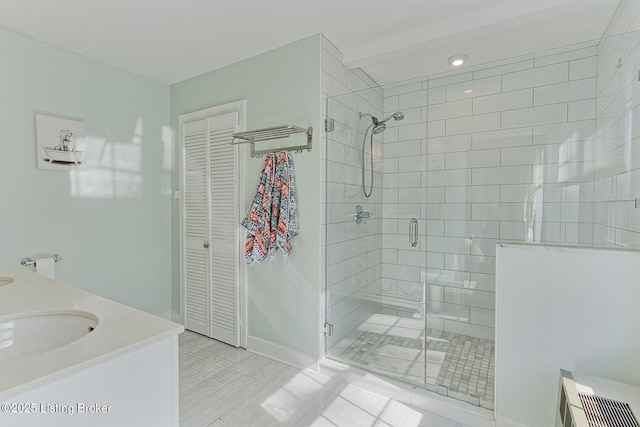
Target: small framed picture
column 60, row 143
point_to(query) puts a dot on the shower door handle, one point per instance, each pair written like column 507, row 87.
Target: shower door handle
column 413, row 232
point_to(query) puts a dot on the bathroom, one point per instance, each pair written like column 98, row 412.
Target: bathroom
column 123, row 210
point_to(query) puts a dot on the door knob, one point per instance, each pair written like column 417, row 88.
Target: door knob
column 206, row 245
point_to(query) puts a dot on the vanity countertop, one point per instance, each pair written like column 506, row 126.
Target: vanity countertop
column 120, row 330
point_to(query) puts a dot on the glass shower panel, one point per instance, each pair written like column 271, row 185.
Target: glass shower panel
column 510, row 151
column 352, row 247
column 460, row 258
column 375, row 296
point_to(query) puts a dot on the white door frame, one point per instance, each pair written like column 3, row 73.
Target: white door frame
column 241, row 108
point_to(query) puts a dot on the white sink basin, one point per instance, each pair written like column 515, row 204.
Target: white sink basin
column 5, row 281
column 29, row 334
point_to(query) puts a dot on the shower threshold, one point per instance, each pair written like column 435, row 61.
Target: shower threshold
column 458, row 366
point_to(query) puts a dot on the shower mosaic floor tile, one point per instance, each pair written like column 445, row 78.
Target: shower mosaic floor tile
column 463, row 364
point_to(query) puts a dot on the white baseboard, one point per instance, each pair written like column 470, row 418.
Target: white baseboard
column 282, row 354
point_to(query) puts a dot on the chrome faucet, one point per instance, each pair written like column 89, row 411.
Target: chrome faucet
column 359, row 215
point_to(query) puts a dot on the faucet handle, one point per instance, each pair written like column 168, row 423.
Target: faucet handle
column 359, row 215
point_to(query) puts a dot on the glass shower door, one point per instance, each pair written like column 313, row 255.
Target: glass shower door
column 375, row 290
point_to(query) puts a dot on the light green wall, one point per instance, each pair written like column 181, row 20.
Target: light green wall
column 281, row 87
column 112, row 222
column 116, row 224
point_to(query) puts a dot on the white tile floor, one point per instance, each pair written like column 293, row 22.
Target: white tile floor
column 224, row 386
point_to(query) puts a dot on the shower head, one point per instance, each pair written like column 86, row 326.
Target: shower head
column 376, row 126
column 379, row 125
column 399, row 115
column 379, row 128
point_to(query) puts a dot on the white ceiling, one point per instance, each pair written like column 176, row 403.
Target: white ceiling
column 172, row 40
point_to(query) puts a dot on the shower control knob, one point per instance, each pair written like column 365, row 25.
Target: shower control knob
column 359, row 215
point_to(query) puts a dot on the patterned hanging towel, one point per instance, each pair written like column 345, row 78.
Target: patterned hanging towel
column 284, row 218
column 258, row 219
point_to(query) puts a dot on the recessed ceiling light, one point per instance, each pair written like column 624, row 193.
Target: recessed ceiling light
column 458, row 60
column 468, row 91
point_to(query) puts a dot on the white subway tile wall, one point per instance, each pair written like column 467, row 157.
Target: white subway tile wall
column 538, row 150
column 510, row 156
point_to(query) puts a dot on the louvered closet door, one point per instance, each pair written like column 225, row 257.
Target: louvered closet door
column 195, row 228
column 211, row 211
column 224, row 216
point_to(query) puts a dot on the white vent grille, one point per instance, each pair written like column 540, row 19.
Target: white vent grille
column 603, row 412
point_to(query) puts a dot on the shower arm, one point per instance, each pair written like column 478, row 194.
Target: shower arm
column 396, row 116
column 374, row 119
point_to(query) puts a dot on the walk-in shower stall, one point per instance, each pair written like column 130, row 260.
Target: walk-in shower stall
column 505, row 152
